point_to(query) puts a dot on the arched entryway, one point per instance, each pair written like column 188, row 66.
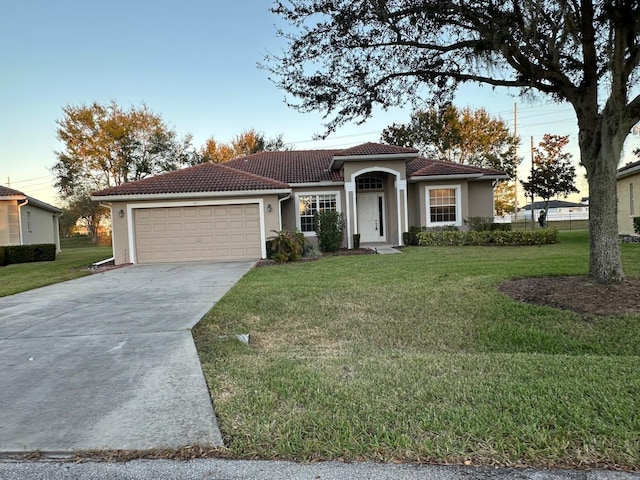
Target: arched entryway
column 371, row 208
column 376, row 205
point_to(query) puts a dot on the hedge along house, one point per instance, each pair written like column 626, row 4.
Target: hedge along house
column 628, row 189
column 227, row 211
column 25, row 220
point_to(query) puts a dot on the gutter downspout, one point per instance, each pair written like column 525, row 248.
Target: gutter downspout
column 20, row 205
column 280, row 209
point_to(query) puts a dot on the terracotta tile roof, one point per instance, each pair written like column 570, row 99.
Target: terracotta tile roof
column 423, row 167
column 277, row 170
column 294, row 166
column 375, row 149
column 10, row 192
column 205, row 177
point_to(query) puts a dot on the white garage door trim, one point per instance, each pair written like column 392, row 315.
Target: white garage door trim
column 193, row 203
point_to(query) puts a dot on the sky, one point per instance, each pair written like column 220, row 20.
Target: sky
column 195, row 63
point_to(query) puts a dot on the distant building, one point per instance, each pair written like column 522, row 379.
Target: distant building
column 628, row 188
column 25, row 220
column 558, row 210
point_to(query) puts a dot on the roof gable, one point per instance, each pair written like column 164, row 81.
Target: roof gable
column 10, row 192
column 376, row 149
column 424, row 167
column 202, row 178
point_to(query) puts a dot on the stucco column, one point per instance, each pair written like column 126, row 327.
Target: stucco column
column 403, row 213
column 350, row 214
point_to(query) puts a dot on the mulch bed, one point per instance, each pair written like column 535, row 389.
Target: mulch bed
column 579, row 294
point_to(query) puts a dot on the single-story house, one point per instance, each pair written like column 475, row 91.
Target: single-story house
column 558, row 210
column 227, row 211
column 25, row 220
column 628, row 189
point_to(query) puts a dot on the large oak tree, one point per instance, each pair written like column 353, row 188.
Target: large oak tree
column 346, row 56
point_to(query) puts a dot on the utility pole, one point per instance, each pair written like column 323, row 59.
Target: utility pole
column 515, row 159
column 533, row 220
column 9, row 182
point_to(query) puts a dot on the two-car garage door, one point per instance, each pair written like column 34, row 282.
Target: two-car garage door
column 185, row 234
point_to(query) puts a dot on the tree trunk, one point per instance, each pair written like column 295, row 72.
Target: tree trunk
column 605, row 263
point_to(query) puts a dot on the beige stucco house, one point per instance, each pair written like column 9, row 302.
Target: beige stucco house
column 227, row 211
column 628, row 188
column 25, row 220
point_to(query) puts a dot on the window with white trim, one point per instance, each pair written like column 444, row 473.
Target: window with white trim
column 310, row 203
column 631, row 202
column 443, row 205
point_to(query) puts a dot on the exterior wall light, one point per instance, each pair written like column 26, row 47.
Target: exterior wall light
column 269, row 208
column 121, row 213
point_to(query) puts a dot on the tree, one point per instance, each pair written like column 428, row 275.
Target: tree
column 215, row 152
column 552, row 173
column 470, row 137
column 345, row 56
column 245, row 143
column 105, row 145
column 504, row 198
column 81, row 207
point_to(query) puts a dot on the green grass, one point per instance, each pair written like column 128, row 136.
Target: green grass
column 77, row 253
column 419, row 357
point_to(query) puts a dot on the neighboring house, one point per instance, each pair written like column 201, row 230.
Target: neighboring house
column 628, row 189
column 227, row 211
column 25, row 220
column 558, row 210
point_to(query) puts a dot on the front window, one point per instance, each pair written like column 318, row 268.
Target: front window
column 443, row 206
column 309, row 204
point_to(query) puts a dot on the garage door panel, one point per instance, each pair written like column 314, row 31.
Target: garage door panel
column 220, row 232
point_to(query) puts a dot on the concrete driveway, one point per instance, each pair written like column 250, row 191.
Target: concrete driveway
column 108, row 362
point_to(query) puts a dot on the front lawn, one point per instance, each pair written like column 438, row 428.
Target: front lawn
column 77, row 253
column 419, row 357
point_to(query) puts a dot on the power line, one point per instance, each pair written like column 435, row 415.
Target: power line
column 31, row 179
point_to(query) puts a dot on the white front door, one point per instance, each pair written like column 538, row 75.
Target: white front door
column 371, row 226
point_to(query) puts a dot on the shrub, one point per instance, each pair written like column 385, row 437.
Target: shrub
column 478, row 224
column 636, row 225
column 356, row 240
column 311, row 251
column 485, row 224
column 286, row 245
column 40, row 252
column 411, row 237
column 497, row 237
column 329, row 226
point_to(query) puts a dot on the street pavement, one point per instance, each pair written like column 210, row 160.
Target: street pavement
column 216, row 469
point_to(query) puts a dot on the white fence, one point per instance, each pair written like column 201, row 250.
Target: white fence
column 551, row 217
